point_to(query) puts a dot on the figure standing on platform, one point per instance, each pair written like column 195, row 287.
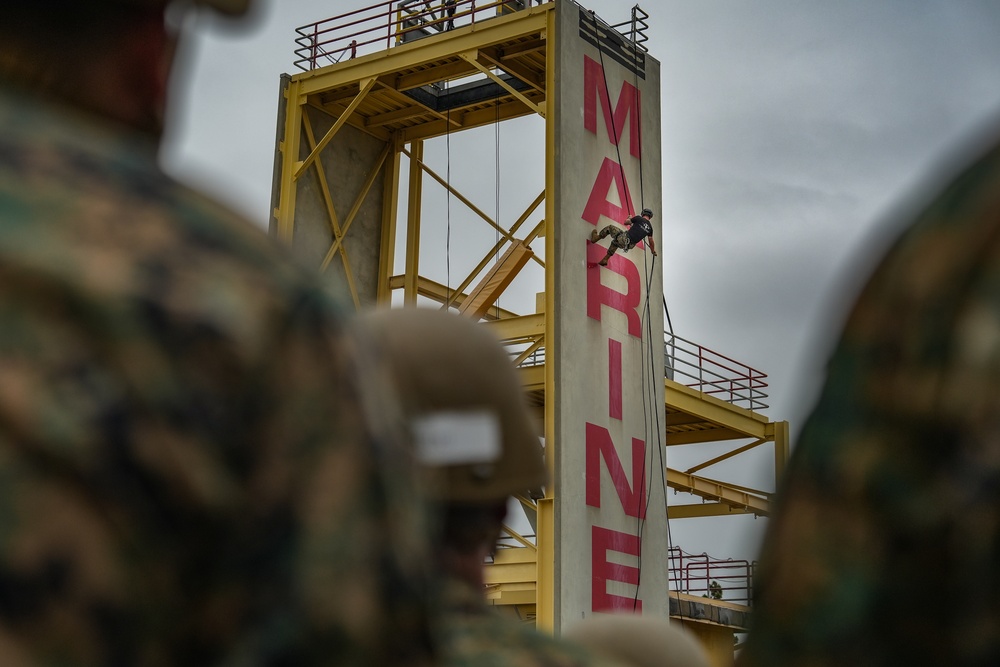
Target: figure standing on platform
column 449, row 8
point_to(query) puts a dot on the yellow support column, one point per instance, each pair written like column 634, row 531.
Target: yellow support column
column 387, row 244
column 546, row 605
column 413, row 224
column 290, row 162
column 780, row 449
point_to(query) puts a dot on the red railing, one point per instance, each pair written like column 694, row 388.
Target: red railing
column 702, row 575
column 714, row 374
column 695, row 366
column 381, row 25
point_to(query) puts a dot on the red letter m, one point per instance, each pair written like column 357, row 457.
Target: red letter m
column 595, row 87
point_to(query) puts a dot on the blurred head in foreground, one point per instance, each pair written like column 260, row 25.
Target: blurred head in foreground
column 188, row 473
column 884, row 545
column 473, row 436
column 638, row 641
column 110, row 58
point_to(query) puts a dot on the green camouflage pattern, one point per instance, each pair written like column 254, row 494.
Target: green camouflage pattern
column 885, row 547
column 619, row 239
column 473, row 634
column 187, row 476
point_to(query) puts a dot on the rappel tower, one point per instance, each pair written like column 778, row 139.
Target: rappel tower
column 402, row 112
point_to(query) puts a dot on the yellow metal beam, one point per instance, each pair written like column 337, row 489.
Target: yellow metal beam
column 708, row 408
column 711, row 489
column 336, row 111
column 438, row 293
column 780, row 437
column 532, row 379
column 517, row 537
column 511, row 595
column 545, row 618
column 412, row 267
column 703, row 435
column 499, row 244
column 475, row 118
column 289, row 147
column 703, row 510
column 530, row 350
column 493, row 284
column 727, row 455
column 472, row 57
column 523, row 49
column 519, row 327
column 387, row 241
column 493, row 59
column 366, row 86
column 395, row 116
column 422, row 53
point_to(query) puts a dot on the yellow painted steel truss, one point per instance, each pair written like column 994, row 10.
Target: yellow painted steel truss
column 378, row 105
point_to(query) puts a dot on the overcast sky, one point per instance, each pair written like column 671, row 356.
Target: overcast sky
column 795, row 133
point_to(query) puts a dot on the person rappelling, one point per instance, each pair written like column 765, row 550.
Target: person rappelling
column 637, row 228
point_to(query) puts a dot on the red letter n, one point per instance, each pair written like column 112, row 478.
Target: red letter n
column 632, row 496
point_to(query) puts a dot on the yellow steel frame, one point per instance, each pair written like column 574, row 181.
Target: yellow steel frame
column 370, row 93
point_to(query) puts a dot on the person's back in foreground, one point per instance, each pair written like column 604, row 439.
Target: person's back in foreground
column 885, row 547
column 186, row 475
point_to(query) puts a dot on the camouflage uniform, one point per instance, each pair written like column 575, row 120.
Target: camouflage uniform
column 473, row 634
column 185, row 478
column 619, row 238
column 885, row 549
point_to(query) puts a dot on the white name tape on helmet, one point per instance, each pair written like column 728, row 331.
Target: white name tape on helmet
column 457, row 438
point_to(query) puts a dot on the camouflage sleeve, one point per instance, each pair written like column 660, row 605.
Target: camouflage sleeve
column 190, row 473
column 885, row 546
column 365, row 540
column 129, row 536
column 471, row 633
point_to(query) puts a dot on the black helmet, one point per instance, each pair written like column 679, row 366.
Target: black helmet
column 647, row 213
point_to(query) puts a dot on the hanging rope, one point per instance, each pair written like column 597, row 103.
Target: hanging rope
column 614, row 130
column 652, row 431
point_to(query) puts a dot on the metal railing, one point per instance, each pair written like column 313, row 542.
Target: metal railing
column 692, row 365
column 635, row 28
column 714, row 374
column 379, row 26
column 701, row 575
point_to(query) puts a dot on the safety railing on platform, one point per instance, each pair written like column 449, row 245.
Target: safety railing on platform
column 714, row 374
column 635, row 28
column 689, row 364
column 701, row 575
column 379, row 26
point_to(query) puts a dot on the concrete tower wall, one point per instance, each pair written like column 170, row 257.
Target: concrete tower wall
column 610, row 514
column 347, row 163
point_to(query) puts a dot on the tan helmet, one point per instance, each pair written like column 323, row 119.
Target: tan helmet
column 472, row 433
column 638, row 641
